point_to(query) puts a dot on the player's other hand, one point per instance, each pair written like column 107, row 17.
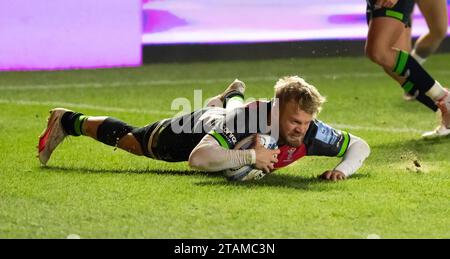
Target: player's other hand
column 333, row 175
column 385, row 3
column 265, row 158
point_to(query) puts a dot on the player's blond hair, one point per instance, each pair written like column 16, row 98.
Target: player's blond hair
column 297, row 89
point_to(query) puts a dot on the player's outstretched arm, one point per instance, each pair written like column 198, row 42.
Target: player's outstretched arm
column 357, row 151
column 209, row 156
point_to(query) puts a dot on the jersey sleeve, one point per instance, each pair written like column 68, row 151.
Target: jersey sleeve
column 323, row 140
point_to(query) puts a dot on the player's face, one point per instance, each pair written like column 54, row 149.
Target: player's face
column 294, row 124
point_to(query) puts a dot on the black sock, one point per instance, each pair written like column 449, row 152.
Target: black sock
column 421, row 97
column 230, row 95
column 112, row 130
column 408, row 67
column 72, row 123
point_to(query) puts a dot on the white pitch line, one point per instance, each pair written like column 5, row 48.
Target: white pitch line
column 199, row 81
column 171, row 113
column 53, row 87
column 86, row 106
column 128, row 83
column 377, row 129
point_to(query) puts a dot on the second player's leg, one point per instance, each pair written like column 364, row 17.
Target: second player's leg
column 384, row 33
column 403, row 43
column 435, row 13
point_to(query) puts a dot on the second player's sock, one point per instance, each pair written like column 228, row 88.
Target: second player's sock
column 407, row 66
column 422, row 98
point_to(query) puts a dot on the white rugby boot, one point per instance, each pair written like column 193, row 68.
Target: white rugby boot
column 443, row 129
column 52, row 136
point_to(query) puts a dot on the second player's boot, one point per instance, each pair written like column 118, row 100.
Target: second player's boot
column 444, row 128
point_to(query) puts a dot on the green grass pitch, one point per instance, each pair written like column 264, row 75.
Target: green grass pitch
column 94, row 191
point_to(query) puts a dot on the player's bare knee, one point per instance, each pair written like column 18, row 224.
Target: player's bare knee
column 439, row 33
column 372, row 52
column 130, row 143
column 379, row 57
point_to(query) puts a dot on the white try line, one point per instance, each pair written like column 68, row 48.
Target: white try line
column 199, row 81
column 51, row 104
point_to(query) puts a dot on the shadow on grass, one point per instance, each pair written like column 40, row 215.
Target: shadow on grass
column 278, row 179
column 284, row 181
column 86, row 170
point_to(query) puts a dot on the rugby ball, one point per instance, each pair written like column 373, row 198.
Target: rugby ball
column 248, row 172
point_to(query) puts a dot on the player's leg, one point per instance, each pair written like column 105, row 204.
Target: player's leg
column 387, row 28
column 383, row 33
column 420, row 83
column 234, row 98
column 404, row 43
column 385, row 36
column 110, row 131
column 435, row 13
column 231, row 98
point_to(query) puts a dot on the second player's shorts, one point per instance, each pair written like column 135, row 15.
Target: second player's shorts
column 402, row 11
